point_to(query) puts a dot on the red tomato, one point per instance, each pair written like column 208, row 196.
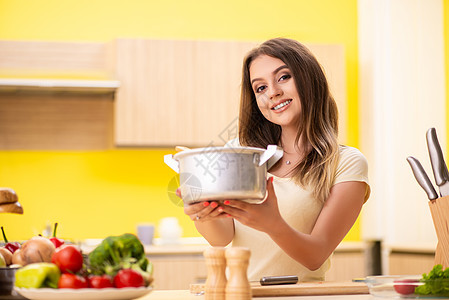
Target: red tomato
column 100, row 282
column 68, row 258
column 402, row 287
column 72, row 281
column 128, row 278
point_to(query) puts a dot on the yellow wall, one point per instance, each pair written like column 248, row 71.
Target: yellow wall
column 95, row 194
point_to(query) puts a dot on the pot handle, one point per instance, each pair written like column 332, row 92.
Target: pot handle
column 171, row 162
column 271, row 150
column 274, row 159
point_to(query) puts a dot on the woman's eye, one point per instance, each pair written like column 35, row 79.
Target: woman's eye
column 260, row 89
column 285, row 77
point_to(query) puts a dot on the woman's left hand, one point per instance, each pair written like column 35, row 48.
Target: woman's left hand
column 262, row 217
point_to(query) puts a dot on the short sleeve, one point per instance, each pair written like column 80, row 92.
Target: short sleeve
column 352, row 166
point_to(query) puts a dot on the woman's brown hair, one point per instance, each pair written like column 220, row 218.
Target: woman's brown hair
column 318, row 122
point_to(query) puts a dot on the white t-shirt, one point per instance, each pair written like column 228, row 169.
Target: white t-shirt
column 300, row 210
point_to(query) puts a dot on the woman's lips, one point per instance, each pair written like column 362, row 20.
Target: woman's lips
column 283, row 105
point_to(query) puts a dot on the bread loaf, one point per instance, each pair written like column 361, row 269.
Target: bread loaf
column 8, row 195
column 13, row 208
column 9, row 202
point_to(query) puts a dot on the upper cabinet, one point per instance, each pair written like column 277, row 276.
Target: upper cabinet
column 187, row 92
column 56, row 96
column 177, row 92
column 138, row 92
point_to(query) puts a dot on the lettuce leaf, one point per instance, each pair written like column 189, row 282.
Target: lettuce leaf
column 435, row 283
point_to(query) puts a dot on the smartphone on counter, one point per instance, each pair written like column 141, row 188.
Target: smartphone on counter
column 273, row 280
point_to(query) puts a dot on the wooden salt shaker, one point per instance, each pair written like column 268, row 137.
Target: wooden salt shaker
column 215, row 286
column 238, row 287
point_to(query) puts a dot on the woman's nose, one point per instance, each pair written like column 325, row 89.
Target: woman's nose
column 274, row 91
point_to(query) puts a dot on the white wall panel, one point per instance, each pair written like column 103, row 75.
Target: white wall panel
column 402, row 94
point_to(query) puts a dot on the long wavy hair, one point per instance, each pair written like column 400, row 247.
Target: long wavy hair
column 318, row 121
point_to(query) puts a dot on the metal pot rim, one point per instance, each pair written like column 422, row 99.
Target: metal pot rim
column 209, row 150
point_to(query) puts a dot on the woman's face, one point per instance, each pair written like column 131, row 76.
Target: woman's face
column 275, row 90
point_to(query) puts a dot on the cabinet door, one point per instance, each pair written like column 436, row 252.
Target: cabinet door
column 346, row 266
column 401, row 263
column 173, row 272
column 176, row 92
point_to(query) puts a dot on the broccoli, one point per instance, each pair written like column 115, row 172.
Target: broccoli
column 120, row 252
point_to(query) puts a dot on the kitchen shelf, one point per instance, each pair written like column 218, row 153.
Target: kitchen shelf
column 59, row 85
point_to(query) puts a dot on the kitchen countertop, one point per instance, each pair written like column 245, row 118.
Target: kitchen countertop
column 186, row 295
column 196, row 246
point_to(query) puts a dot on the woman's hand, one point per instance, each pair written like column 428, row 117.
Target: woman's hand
column 201, row 211
column 210, row 222
column 263, row 217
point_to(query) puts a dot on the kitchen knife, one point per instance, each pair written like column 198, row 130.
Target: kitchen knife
column 422, row 178
column 273, row 280
column 439, row 167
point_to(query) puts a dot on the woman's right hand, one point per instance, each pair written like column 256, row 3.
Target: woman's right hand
column 201, row 211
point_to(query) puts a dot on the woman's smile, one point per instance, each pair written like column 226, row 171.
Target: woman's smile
column 283, row 105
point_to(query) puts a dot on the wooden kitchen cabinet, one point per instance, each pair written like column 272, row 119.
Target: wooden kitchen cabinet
column 347, row 264
column 176, row 272
column 163, row 93
column 178, row 266
column 177, row 92
column 56, row 95
column 403, row 260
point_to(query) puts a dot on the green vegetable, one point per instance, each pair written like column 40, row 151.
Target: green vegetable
column 120, row 252
column 38, row 275
column 436, row 283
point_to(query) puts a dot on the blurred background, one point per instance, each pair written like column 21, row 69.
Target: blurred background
column 87, row 150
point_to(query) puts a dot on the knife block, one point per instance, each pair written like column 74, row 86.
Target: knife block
column 439, row 209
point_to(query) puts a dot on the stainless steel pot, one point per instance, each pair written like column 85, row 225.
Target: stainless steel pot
column 219, row 173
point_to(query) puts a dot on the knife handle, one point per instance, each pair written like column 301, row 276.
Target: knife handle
column 436, row 157
column 422, row 178
column 273, row 280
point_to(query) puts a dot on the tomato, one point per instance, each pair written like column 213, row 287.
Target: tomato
column 72, row 281
column 68, row 258
column 100, row 282
column 401, row 286
column 128, row 278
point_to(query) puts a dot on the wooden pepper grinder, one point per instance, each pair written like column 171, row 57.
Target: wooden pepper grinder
column 238, row 287
column 215, row 286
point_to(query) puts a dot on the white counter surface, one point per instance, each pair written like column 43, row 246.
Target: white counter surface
column 184, row 294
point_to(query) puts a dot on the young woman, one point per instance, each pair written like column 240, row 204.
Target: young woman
column 315, row 192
